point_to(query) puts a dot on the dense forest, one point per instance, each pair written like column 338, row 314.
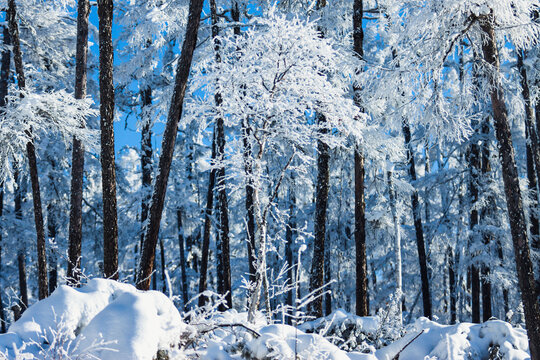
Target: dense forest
column 288, row 160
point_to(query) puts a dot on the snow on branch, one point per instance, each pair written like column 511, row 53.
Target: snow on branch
column 28, row 116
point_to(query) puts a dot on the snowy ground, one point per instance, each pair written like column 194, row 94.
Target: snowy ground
column 110, row 320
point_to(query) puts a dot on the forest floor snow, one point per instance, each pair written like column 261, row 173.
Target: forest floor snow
column 106, row 320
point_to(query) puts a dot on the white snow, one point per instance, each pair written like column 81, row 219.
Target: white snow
column 458, row 342
column 105, row 319
column 108, row 320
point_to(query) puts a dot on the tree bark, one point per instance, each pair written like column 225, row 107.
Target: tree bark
column 146, row 159
column 77, row 163
column 207, row 227
column 327, row 280
column 513, row 194
column 452, row 286
column 397, row 248
column 182, row 257
column 250, row 210
column 532, row 148
column 321, row 204
column 486, row 211
column 2, row 314
column 108, row 170
column 362, row 308
column 289, row 238
column 169, row 140
column 53, row 260
column 248, row 168
column 474, row 168
column 21, row 253
column 43, row 288
column 4, row 82
column 420, row 245
column 163, row 267
column 223, row 253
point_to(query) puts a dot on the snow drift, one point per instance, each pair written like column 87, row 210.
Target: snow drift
column 109, row 320
column 103, row 320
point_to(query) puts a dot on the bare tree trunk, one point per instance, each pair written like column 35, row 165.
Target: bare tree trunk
column 486, row 211
column 513, row 194
column 248, row 168
column 533, row 154
column 223, row 256
column 397, row 248
column 182, row 256
column 362, row 308
column 21, row 253
column 4, row 82
column 2, row 314
column 43, row 290
column 250, row 210
column 504, row 289
column 169, row 140
column 51, row 234
column 420, row 245
column 452, row 285
column 327, row 280
column 207, row 227
column 77, row 163
column 474, row 168
column 289, row 237
column 321, row 204
column 146, row 160
column 163, row 267
column 108, row 170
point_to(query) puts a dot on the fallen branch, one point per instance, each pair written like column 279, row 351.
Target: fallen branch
column 409, row 343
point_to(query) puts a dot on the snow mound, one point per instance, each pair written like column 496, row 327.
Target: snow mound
column 287, row 342
column 341, row 318
column 104, row 319
column 494, row 339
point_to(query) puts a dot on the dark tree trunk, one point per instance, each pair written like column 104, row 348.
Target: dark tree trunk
column 182, row 257
column 452, row 285
column 51, row 234
column 248, row 168
column 420, row 245
column 169, row 140
column 289, row 254
column 146, row 160
column 53, row 261
column 43, row 288
column 250, row 209
column 533, row 154
column 163, row 267
column 513, row 194
column 362, row 308
column 504, row 289
column 223, row 253
column 321, row 204
column 108, row 170
column 77, row 164
column 486, row 211
column 327, row 279
column 2, row 314
column 21, row 253
column 207, row 228
column 474, row 168
column 5, row 68
column 4, row 82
